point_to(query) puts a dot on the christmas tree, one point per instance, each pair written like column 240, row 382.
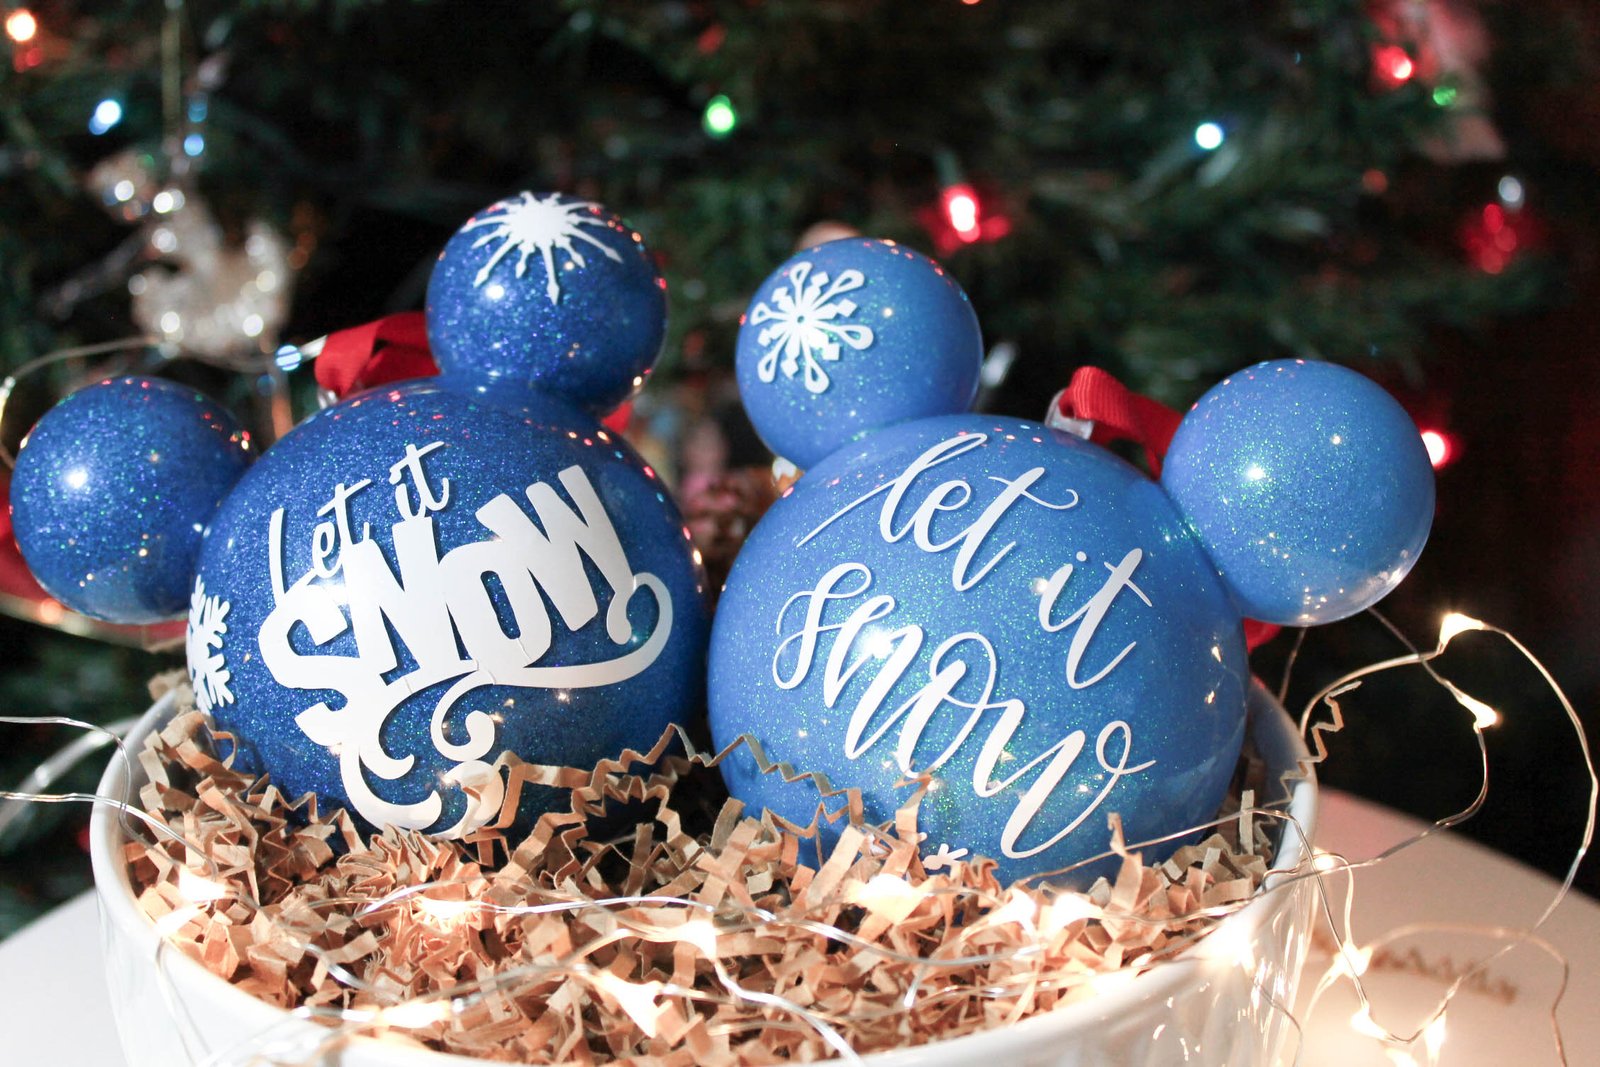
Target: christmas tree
column 1165, row 190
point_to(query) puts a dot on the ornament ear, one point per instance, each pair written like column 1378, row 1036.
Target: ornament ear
column 113, row 489
column 550, row 293
column 1308, row 485
column 852, row 336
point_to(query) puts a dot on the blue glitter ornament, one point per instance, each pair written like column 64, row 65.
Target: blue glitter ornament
column 1013, row 612
column 547, row 292
column 1013, row 617
column 421, row 579
column 1309, row 486
column 112, row 489
column 852, row 335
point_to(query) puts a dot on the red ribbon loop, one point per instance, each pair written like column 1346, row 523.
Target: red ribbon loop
column 1117, row 413
column 391, row 349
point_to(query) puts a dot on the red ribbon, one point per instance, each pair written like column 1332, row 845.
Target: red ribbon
column 394, row 349
column 1117, row 413
column 391, row 349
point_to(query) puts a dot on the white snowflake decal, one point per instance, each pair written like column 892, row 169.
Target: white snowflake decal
column 803, row 329
column 544, row 225
column 208, row 672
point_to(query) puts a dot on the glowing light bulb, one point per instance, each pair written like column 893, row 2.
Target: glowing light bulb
column 415, row 1014
column 1441, row 450
column 1455, row 624
column 107, row 113
column 641, row 1000
column 1209, row 136
column 961, row 209
column 21, row 26
column 720, row 116
column 1393, row 64
column 1361, row 1022
column 1511, row 191
column 444, row 915
column 199, row 889
column 1483, row 716
column 176, row 920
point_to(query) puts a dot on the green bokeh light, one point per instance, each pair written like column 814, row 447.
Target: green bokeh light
column 720, row 117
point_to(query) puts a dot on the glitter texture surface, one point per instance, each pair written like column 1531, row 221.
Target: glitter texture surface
column 550, row 293
column 416, row 581
column 112, row 489
column 850, row 336
column 1013, row 611
column 1309, row 486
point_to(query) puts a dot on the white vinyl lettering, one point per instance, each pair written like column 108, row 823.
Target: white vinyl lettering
column 440, row 611
column 852, row 631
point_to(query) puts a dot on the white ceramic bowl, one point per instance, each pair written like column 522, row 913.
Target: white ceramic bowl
column 1220, row 1003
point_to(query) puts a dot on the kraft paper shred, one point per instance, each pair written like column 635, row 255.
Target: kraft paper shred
column 739, row 953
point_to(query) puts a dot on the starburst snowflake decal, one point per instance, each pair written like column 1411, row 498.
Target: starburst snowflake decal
column 545, row 225
column 208, row 671
column 803, row 330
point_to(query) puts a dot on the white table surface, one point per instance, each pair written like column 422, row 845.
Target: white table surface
column 54, row 1010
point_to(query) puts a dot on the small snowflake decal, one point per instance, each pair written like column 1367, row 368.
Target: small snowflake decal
column 208, row 672
column 803, row 330
column 544, row 225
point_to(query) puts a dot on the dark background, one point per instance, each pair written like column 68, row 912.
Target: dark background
column 367, row 131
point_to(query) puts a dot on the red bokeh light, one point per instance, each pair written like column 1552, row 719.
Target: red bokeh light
column 1441, row 448
column 1394, row 66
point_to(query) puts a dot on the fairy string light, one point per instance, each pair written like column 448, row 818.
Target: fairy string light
column 1020, row 970
column 734, row 920
column 1350, row 959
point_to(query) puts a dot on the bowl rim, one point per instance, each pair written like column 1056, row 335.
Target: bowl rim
column 1269, row 725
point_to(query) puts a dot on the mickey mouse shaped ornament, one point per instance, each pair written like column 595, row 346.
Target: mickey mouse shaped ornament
column 1010, row 613
column 427, row 579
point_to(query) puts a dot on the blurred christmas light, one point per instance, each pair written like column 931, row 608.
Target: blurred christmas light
column 1511, row 192
column 1392, row 64
column 961, row 209
column 1209, row 136
column 21, row 26
column 107, row 113
column 1492, row 235
column 194, row 144
column 720, row 116
column 1441, row 449
column 960, row 217
column 1444, row 95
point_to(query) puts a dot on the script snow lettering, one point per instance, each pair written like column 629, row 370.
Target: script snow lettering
column 439, row 609
column 862, row 632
